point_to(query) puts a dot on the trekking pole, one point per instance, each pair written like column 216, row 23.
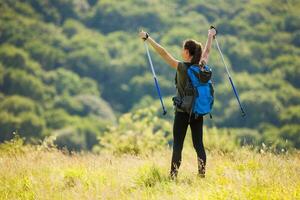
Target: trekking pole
column 155, row 79
column 230, row 79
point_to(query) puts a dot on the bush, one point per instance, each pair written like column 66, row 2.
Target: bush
column 291, row 115
column 13, row 147
column 272, row 140
column 69, row 138
column 223, row 140
column 8, row 124
column 143, row 85
column 17, row 58
column 84, row 105
column 18, row 104
column 80, row 133
column 27, row 125
column 137, row 133
column 93, row 105
column 260, row 106
column 21, row 83
column 56, row 118
column 291, row 23
column 48, row 56
column 69, row 104
column 296, row 38
column 291, row 133
column 67, row 82
column 31, row 126
column 72, row 27
column 112, row 16
column 150, row 175
column 247, row 137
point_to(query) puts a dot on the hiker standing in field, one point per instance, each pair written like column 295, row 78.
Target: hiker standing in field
column 192, row 54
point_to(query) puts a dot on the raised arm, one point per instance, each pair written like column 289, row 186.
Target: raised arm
column 205, row 55
column 159, row 49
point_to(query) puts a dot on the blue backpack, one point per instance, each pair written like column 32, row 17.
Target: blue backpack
column 200, row 78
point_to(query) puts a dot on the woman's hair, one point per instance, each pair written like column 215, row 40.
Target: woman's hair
column 195, row 50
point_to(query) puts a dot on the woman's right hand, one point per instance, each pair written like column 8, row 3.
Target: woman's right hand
column 159, row 49
column 143, row 35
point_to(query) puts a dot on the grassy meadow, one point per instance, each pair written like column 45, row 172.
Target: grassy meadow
column 44, row 172
column 74, row 76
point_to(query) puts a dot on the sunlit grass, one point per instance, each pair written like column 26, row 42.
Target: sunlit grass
column 42, row 173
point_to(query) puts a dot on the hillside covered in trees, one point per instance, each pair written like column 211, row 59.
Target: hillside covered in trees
column 73, row 68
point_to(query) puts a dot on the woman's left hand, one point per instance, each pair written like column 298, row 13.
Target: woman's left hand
column 212, row 32
column 143, row 35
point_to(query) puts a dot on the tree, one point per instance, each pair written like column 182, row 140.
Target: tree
column 291, row 23
column 291, row 115
column 56, row 119
column 85, row 105
column 21, row 83
column 67, row 82
column 31, row 126
column 48, row 56
column 8, row 124
column 26, row 124
column 109, row 16
column 81, row 134
column 291, row 133
column 260, row 106
column 13, row 57
column 138, row 133
column 18, row 104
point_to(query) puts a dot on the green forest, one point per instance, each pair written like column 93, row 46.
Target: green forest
column 76, row 70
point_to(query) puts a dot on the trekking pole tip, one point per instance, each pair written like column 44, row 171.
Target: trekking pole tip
column 243, row 114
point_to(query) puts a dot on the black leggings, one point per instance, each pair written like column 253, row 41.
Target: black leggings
column 181, row 123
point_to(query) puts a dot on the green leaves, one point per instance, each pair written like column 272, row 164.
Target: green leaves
column 21, row 83
column 140, row 132
column 19, row 104
column 17, row 58
column 67, row 82
column 63, row 63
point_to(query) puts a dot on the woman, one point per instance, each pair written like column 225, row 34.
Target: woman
column 191, row 54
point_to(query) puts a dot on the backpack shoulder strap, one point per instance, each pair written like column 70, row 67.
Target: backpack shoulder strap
column 176, row 79
column 197, row 74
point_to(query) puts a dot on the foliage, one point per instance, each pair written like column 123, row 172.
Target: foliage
column 150, row 175
column 66, row 61
column 80, row 133
column 14, row 147
column 137, row 133
column 18, row 104
column 21, row 83
column 28, row 124
column 74, row 75
column 68, row 83
column 17, row 58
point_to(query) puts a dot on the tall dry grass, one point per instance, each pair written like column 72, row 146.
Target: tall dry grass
column 40, row 172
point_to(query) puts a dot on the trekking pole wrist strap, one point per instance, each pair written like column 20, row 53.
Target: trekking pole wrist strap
column 212, row 27
column 146, row 36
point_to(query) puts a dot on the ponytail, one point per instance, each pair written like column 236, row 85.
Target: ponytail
column 195, row 50
column 197, row 55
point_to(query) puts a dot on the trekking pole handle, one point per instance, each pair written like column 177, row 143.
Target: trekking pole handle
column 146, row 36
column 212, row 27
